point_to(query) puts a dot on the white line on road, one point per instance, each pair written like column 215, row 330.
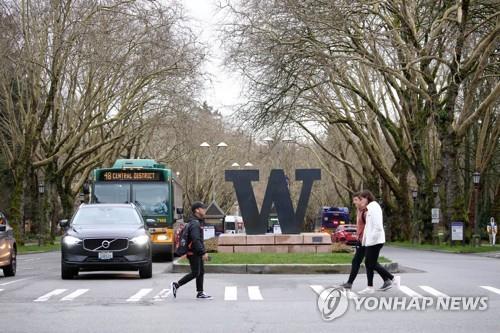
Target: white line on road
column 47, row 296
column 231, row 294
column 26, row 260
column 7, row 283
column 318, row 290
column 73, row 295
column 410, row 292
column 163, row 295
column 140, row 294
column 434, row 292
column 492, row 289
column 254, row 293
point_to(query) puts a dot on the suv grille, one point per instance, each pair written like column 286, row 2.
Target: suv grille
column 105, row 244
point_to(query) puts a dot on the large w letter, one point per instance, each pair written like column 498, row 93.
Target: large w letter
column 277, row 192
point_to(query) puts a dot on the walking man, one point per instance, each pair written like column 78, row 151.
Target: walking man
column 196, row 252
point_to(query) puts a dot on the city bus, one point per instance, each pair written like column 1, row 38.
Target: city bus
column 152, row 187
column 329, row 218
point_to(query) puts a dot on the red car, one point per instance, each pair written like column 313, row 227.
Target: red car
column 345, row 233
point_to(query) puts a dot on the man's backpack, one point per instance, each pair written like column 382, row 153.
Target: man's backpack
column 182, row 244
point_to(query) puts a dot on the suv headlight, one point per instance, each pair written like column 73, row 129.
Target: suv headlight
column 71, row 241
column 140, row 240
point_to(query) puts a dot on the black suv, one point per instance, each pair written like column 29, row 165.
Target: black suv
column 103, row 237
column 8, row 248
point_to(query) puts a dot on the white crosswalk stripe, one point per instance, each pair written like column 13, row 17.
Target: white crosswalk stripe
column 319, row 289
column 163, row 295
column 254, row 293
column 410, row 292
column 434, row 292
column 492, row 289
column 231, row 293
column 47, row 296
column 74, row 295
column 11, row 282
column 139, row 295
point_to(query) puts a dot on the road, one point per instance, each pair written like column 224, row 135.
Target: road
column 37, row 300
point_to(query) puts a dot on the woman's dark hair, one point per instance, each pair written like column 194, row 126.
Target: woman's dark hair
column 365, row 194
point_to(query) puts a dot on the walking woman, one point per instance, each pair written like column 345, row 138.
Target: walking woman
column 359, row 255
column 373, row 240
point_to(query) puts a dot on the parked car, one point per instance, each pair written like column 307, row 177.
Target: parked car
column 106, row 237
column 8, row 248
column 346, row 233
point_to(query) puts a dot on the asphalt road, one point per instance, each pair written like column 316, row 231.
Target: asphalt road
column 37, row 300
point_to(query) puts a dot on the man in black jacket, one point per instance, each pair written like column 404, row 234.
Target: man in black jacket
column 196, row 253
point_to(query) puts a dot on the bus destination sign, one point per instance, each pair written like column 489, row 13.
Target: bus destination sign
column 131, row 175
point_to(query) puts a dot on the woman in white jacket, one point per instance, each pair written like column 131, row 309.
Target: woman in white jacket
column 373, row 241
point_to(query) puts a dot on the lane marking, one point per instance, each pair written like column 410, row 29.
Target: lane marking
column 492, row 289
column 254, row 293
column 75, row 294
column 47, row 296
column 434, row 292
column 164, row 294
column 231, row 294
column 319, row 289
column 11, row 282
column 140, row 294
column 410, row 292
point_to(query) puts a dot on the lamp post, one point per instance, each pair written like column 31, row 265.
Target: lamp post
column 220, row 145
column 414, row 195
column 435, row 224
column 476, row 178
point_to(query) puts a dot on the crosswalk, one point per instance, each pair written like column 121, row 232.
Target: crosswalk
column 233, row 293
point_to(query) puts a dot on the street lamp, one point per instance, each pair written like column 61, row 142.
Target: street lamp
column 235, row 165
column 248, row 164
column 220, row 145
column 414, row 194
column 476, row 178
column 41, row 187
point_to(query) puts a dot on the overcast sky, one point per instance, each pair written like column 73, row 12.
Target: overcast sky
column 224, row 90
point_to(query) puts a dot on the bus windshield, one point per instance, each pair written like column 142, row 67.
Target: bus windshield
column 152, row 199
column 111, row 193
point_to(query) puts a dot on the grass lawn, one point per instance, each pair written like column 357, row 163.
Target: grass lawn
column 33, row 248
column 280, row 258
column 447, row 248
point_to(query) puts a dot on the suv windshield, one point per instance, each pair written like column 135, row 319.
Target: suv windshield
column 151, row 198
column 106, row 215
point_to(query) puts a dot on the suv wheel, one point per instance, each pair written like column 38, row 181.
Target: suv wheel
column 146, row 272
column 10, row 270
column 68, row 272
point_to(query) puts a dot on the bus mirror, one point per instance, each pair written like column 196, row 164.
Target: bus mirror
column 179, row 211
column 86, row 189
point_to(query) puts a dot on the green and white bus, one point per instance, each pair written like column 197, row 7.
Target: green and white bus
column 152, row 187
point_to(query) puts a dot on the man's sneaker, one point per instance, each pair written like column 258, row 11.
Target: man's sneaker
column 386, row 286
column 367, row 290
column 346, row 285
column 173, row 287
column 397, row 281
column 202, row 295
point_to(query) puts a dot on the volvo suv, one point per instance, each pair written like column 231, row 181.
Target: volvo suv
column 105, row 237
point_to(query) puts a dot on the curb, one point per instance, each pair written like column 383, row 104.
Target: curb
column 392, row 267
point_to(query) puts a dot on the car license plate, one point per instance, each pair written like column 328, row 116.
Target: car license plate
column 105, row 255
